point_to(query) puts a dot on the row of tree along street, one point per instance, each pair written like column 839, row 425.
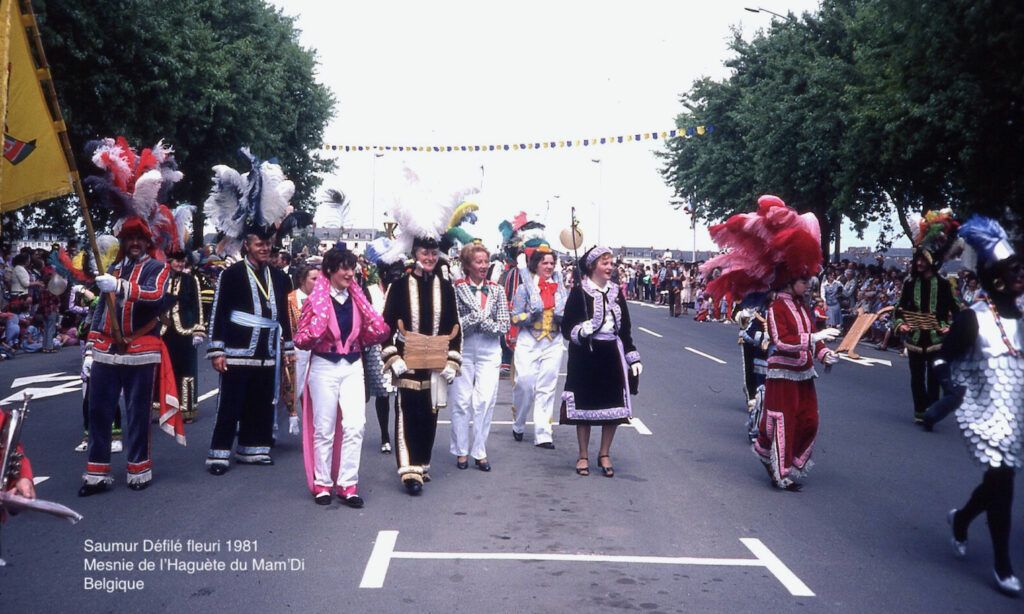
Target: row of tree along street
column 861, row 109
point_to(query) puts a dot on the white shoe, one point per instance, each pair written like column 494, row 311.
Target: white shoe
column 116, row 446
column 1010, row 585
column 959, row 548
column 82, row 447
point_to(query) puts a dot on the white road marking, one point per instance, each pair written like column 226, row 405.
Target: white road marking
column 635, row 423
column 708, row 356
column 46, row 377
column 209, row 394
column 39, row 479
column 42, row 393
column 639, row 425
column 652, row 306
column 384, row 552
column 650, row 332
column 784, row 574
column 864, row 361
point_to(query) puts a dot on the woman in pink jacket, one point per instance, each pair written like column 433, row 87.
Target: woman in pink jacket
column 336, row 322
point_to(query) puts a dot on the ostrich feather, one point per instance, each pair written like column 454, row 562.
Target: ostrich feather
column 987, row 240
column 144, row 198
column 183, row 220
column 333, row 209
column 224, row 202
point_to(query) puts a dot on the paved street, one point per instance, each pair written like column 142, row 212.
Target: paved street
column 867, row 534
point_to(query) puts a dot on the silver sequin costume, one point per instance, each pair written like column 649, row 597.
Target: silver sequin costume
column 991, row 415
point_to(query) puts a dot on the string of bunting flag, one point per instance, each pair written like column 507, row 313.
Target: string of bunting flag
column 690, row 132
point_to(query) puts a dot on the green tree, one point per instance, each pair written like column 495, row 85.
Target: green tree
column 208, row 76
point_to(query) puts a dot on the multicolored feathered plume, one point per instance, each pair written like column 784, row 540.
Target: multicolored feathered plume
column 136, row 185
column 767, row 249
column 465, row 213
column 936, row 234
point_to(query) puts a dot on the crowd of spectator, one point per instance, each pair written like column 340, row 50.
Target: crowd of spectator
column 839, row 294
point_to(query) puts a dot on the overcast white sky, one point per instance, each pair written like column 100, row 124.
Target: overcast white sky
column 469, row 72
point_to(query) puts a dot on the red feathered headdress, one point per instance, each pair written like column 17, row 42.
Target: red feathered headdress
column 766, row 249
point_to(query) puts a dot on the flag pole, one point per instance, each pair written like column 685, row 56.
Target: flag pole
column 28, row 21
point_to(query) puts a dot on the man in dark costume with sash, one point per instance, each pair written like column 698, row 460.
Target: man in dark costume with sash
column 926, row 308
column 250, row 332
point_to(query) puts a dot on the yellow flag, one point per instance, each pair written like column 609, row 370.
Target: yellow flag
column 33, row 167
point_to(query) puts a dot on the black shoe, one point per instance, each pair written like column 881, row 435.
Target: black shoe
column 353, row 501
column 88, row 490
column 139, row 485
column 464, row 464
column 547, row 445
column 426, row 477
column 609, row 471
column 413, row 487
column 517, row 436
column 793, row 487
column 323, row 498
column 483, row 465
column 218, row 469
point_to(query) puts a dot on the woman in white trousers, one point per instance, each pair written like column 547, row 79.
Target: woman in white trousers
column 483, row 315
column 337, row 321
column 537, row 310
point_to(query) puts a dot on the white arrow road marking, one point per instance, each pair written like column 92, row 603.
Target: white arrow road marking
column 708, row 356
column 650, row 332
column 39, row 479
column 633, row 423
column 41, row 393
column 40, row 379
column 864, row 361
column 384, row 552
column 209, row 394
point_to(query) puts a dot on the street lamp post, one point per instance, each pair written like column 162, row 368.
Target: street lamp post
column 764, row 10
column 691, row 211
column 600, row 190
column 373, row 206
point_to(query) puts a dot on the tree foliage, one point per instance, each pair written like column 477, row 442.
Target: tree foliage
column 208, row 76
column 861, row 107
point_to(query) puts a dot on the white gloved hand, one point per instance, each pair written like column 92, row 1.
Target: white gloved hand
column 106, row 283
column 448, row 373
column 586, row 329
column 197, row 340
column 293, row 425
column 830, row 358
column 86, row 367
column 828, row 334
column 399, row 367
column 636, row 369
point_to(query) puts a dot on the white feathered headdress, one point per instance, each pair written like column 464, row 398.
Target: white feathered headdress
column 332, row 212
column 422, row 216
column 251, row 203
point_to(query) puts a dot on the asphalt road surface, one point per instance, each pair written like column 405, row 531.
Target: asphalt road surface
column 689, row 523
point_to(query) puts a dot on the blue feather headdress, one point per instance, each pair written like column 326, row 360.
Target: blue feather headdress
column 987, row 238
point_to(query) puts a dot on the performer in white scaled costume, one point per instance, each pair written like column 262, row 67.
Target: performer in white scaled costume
column 537, row 310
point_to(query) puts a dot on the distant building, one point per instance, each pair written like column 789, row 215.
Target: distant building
column 647, row 255
column 355, row 239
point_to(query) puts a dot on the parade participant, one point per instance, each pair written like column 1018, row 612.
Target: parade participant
column 483, row 315
column 519, row 238
column 337, row 321
column 983, row 360
column 295, row 381
column 20, row 483
column 424, row 303
column 182, row 326
column 250, row 333
column 378, row 384
column 926, row 307
column 537, row 309
column 775, row 248
column 755, row 343
column 604, row 366
column 126, row 352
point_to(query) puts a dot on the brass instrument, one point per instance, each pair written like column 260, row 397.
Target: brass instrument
column 10, row 436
